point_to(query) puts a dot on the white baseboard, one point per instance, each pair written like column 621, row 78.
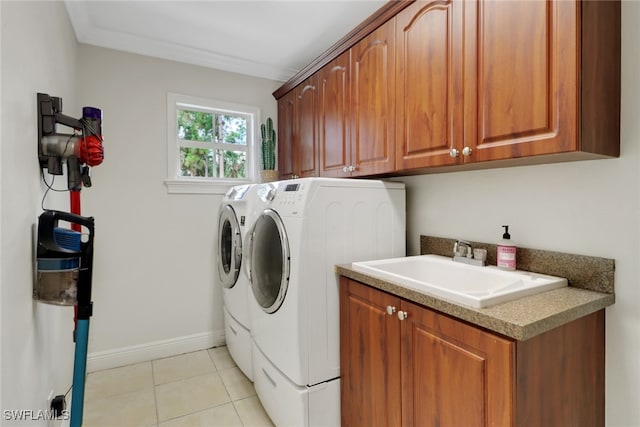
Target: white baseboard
column 153, row 350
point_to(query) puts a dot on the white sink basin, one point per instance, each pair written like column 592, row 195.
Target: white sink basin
column 466, row 284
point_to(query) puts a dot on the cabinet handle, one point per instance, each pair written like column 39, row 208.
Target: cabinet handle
column 454, row 152
column 402, row 315
column 391, row 309
column 466, row 151
column 348, row 169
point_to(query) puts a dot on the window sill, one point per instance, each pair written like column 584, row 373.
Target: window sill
column 185, row 186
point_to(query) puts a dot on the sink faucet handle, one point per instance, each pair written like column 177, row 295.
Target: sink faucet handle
column 462, row 248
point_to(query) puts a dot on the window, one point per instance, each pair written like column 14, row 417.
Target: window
column 211, row 144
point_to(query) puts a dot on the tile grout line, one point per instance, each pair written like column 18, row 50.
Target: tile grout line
column 155, row 398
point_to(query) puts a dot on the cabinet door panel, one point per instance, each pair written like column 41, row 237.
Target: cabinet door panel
column 429, row 78
column 526, row 72
column 373, row 102
column 454, row 374
column 333, row 81
column 307, row 129
column 370, row 357
column 286, row 149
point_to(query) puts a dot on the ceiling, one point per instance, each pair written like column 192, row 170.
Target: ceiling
column 269, row 39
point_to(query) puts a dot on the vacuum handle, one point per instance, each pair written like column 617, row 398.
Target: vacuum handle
column 86, row 221
column 49, row 220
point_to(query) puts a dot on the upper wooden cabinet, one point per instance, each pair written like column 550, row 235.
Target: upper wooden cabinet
column 335, row 116
column 286, row 148
column 518, row 82
column 429, row 60
column 373, row 102
column 357, row 108
column 306, row 128
column 480, row 83
column 298, row 131
column 521, row 91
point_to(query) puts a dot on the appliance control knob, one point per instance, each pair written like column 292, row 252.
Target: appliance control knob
column 402, row 315
column 466, row 151
column 271, row 194
column 390, row 310
column 454, row 152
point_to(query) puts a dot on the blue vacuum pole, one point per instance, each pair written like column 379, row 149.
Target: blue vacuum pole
column 79, row 372
column 81, row 335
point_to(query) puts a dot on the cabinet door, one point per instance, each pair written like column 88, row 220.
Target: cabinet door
column 286, row 151
column 429, row 52
column 369, row 357
column 333, row 82
column 454, row 374
column 525, row 67
column 373, row 102
column 306, row 113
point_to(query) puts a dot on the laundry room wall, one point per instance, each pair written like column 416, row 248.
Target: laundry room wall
column 154, row 292
column 590, row 208
column 38, row 51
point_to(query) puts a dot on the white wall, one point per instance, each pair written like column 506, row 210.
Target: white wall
column 154, row 290
column 589, row 208
column 38, row 55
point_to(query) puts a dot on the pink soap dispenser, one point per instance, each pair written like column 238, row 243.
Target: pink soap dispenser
column 506, row 251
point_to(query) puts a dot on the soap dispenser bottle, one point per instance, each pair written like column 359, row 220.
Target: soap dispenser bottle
column 506, row 254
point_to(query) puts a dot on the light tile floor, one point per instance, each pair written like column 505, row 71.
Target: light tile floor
column 203, row 388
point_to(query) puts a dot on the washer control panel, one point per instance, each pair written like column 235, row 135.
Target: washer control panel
column 286, row 197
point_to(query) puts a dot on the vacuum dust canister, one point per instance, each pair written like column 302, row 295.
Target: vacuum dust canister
column 57, row 265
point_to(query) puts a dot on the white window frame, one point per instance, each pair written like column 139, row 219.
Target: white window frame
column 206, row 185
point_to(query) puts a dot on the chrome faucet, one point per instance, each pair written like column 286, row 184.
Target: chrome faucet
column 462, row 248
column 463, row 252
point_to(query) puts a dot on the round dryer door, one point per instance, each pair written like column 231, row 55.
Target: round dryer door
column 230, row 247
column 269, row 261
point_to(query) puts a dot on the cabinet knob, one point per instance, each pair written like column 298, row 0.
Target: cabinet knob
column 402, row 315
column 348, row 169
column 454, row 152
column 391, row 309
column 466, row 151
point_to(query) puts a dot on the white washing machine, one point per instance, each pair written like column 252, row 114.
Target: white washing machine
column 234, row 222
column 304, row 228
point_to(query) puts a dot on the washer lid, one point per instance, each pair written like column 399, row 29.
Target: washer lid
column 270, row 261
column 230, row 247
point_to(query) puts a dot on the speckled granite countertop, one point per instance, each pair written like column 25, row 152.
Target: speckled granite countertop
column 520, row 319
column 591, row 288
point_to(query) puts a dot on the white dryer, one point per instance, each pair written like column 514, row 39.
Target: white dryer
column 304, row 228
column 235, row 219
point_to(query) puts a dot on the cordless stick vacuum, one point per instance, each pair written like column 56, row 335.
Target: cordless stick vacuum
column 64, row 267
column 64, row 257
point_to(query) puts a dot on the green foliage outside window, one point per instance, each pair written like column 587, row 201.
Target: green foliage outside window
column 198, row 126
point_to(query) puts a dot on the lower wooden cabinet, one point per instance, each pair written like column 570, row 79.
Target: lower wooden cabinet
column 406, row 365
